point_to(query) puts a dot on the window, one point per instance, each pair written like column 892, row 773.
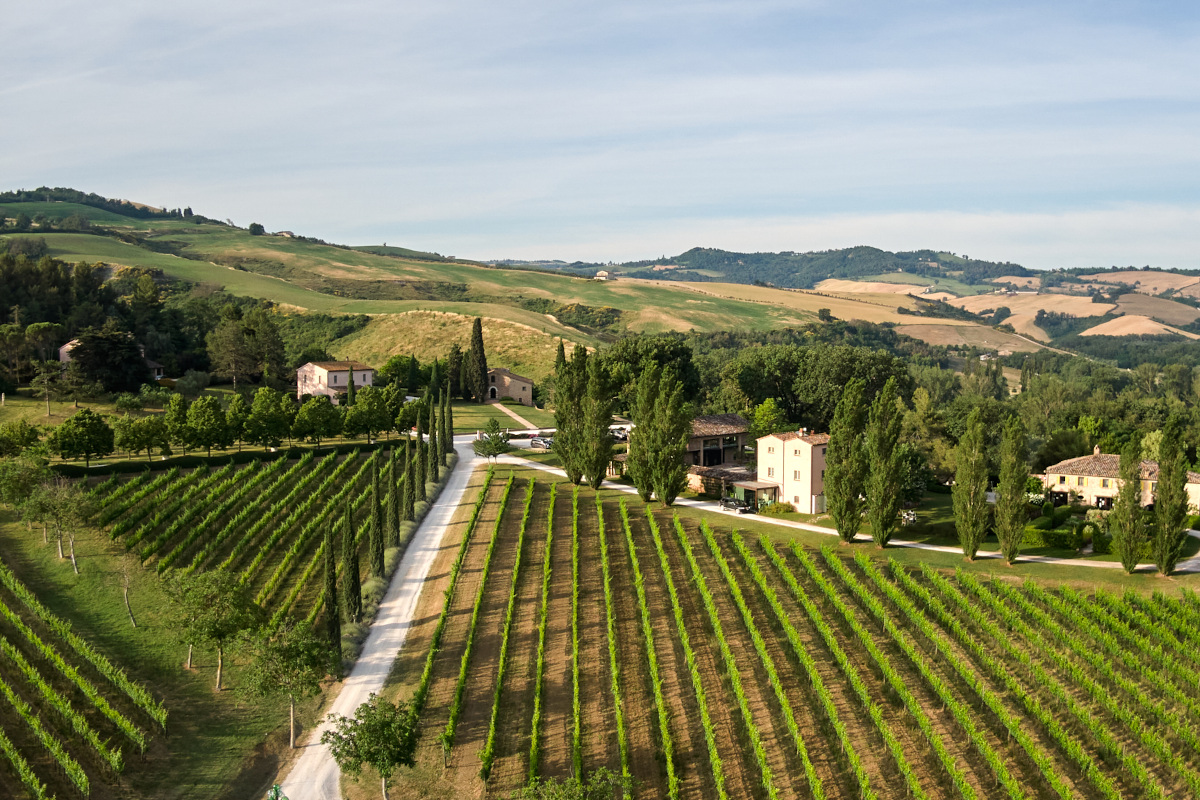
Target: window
column 523, row 388
column 334, row 378
column 822, row 474
column 1104, row 483
column 770, row 472
column 770, row 450
column 1062, row 479
column 1081, row 481
column 796, row 499
column 796, row 452
column 822, row 451
column 796, row 475
column 493, row 378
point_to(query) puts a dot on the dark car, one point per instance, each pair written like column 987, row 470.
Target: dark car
column 542, row 443
column 733, row 504
column 619, row 434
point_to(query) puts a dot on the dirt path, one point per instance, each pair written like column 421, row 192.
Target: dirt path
column 741, row 776
column 471, row 733
column 314, row 775
column 641, row 721
column 599, row 743
column 525, row 424
column 557, row 691
column 513, row 725
column 691, row 753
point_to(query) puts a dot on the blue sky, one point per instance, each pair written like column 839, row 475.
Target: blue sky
column 1063, row 134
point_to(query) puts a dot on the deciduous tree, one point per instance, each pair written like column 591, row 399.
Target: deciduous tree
column 317, row 419
column 494, row 441
column 288, row 659
column 379, row 735
column 211, row 608
column 85, row 435
column 207, row 426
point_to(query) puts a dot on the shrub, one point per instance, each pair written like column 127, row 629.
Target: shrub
column 776, row 509
column 1048, row 509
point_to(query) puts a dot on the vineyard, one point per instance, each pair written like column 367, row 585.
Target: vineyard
column 70, row 718
column 578, row 632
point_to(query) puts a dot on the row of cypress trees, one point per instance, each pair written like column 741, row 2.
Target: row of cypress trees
column 388, row 507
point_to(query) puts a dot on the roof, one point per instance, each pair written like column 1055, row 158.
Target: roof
column 807, row 438
column 1108, row 465
column 152, row 364
column 339, row 366
column 719, row 425
column 756, row 484
column 509, row 373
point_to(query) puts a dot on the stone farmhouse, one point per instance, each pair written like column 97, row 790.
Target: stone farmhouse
column 503, row 383
column 714, row 452
column 332, row 378
column 1095, row 480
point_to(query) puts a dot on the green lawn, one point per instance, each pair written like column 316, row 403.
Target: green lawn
column 472, row 417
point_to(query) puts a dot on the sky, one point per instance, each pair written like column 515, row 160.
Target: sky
column 1059, row 134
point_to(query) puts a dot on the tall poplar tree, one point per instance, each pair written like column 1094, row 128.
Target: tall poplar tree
column 1170, row 499
column 883, row 464
column 351, row 582
column 970, row 487
column 845, row 462
column 410, row 491
column 477, row 361
column 454, row 363
column 376, row 530
column 333, row 616
column 642, row 442
column 1010, row 502
column 597, row 408
column 570, row 438
column 1126, row 521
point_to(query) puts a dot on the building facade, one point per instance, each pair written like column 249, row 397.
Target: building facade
column 332, row 378
column 1095, row 480
column 503, row 383
column 794, row 463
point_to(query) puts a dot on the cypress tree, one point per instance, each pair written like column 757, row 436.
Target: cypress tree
column 970, row 487
column 454, row 363
column 883, row 464
column 444, row 435
column 477, row 360
column 412, row 381
column 333, row 617
column 393, row 501
column 597, row 417
column 1126, row 521
column 410, row 495
column 351, row 584
column 570, row 438
column 1010, row 500
column 419, row 466
column 376, row 530
column 449, row 427
column 434, row 448
column 351, row 391
column 1170, row 499
column 464, row 378
column 845, row 463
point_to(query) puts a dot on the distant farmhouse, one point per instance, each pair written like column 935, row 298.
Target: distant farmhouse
column 156, row 369
column 1095, row 479
column 332, row 378
column 502, row 383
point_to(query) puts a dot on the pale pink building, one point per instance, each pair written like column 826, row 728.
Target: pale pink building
column 332, row 378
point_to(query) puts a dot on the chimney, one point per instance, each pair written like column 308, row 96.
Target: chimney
column 1096, row 450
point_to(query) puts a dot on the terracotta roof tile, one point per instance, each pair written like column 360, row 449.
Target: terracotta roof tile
column 1107, row 465
column 339, row 366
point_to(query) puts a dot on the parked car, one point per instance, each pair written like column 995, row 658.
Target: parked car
column 733, row 504
column 542, row 443
column 619, row 434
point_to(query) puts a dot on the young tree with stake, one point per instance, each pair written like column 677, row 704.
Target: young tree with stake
column 287, row 660
column 379, row 735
